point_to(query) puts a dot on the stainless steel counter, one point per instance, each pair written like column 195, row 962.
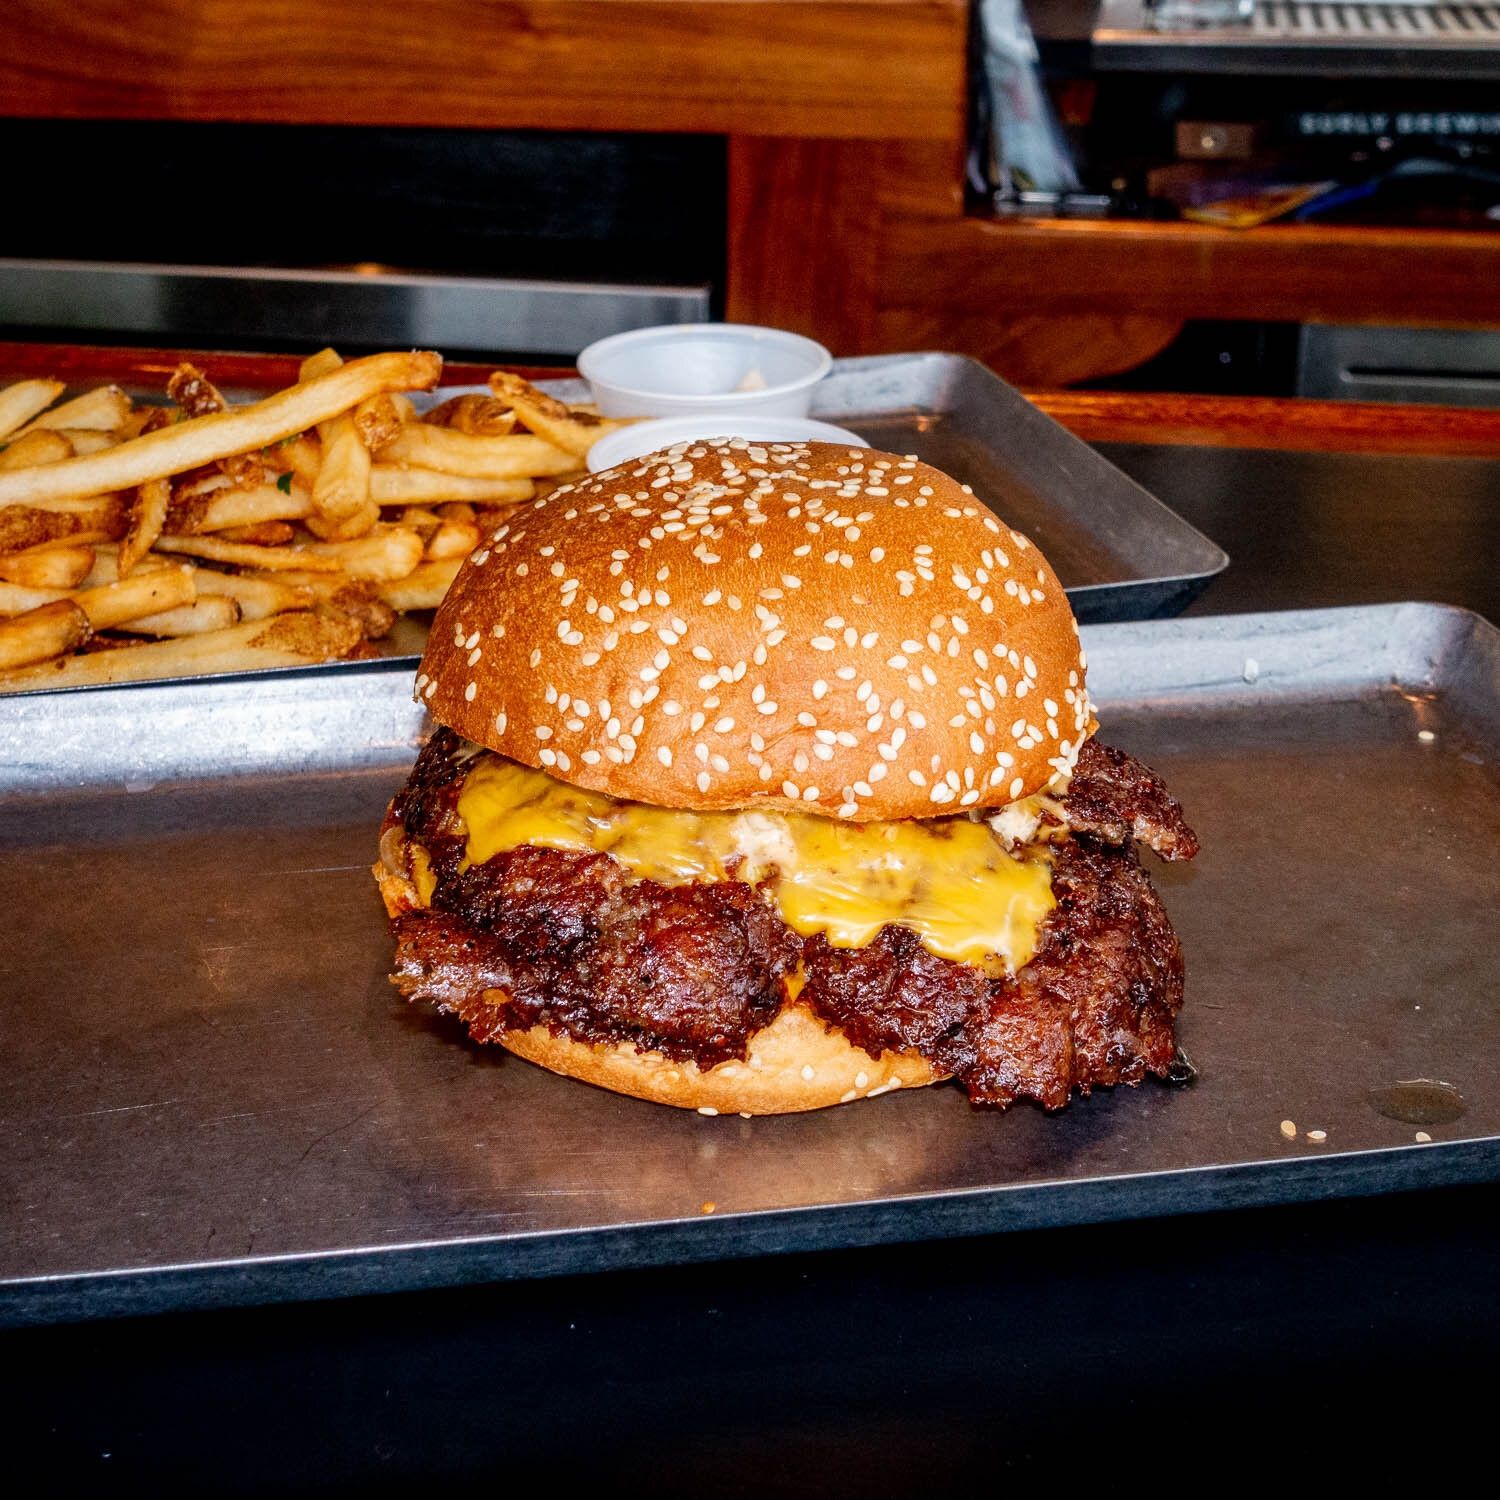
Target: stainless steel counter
column 1307, row 530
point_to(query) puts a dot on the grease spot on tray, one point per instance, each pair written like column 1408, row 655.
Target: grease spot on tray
column 1418, row 1101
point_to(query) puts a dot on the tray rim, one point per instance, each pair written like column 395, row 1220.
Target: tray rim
column 537, row 1255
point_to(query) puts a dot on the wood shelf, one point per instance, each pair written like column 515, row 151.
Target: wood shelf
column 1047, row 303
column 1276, row 272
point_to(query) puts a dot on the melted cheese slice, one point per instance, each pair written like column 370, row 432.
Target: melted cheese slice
column 950, row 880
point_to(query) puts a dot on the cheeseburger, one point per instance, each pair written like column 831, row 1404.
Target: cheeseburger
column 764, row 781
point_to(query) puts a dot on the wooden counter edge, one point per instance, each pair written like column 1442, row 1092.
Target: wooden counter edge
column 1095, row 416
column 1274, row 422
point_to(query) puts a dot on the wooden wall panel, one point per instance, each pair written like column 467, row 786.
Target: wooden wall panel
column 837, row 68
column 805, row 238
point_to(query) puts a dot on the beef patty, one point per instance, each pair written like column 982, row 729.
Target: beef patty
column 693, row 971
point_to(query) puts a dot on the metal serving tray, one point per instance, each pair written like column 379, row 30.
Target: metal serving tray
column 213, row 1095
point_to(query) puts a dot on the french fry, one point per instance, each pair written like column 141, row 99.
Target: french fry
column 256, row 597
column 423, row 587
column 199, row 483
column 92, row 539
column 17, row 598
column 452, row 539
column 318, row 588
column 203, row 440
column 86, row 439
column 48, row 630
column 479, row 416
column 420, row 518
column 508, row 457
column 28, row 525
column 148, row 513
column 227, row 507
column 302, row 457
column 40, row 446
column 261, row 533
column 20, row 402
column 194, row 392
column 377, row 558
column 359, row 603
column 342, row 507
column 392, row 485
column 243, row 469
column 315, row 366
column 112, row 604
column 47, row 566
column 341, row 594
column 103, row 409
column 276, row 559
column 106, row 567
column 78, row 505
column 381, row 418
column 574, row 432
column 289, row 640
column 217, row 612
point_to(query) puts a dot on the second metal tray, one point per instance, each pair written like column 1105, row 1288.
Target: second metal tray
column 1120, row 553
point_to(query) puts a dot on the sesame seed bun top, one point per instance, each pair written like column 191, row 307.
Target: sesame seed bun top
column 732, row 623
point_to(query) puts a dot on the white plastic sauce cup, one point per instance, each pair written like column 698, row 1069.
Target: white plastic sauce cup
column 681, row 369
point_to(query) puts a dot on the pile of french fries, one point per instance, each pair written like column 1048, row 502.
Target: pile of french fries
column 141, row 541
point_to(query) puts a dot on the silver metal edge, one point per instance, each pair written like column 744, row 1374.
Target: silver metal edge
column 463, row 312
column 139, row 735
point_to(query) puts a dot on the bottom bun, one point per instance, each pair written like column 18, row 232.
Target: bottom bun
column 793, row 1064
column 796, row 1063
